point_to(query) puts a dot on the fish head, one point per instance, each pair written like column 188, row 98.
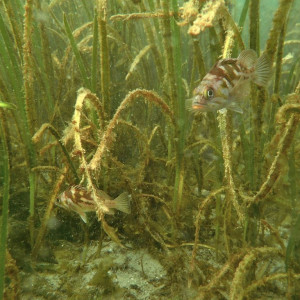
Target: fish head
column 63, row 201
column 208, row 97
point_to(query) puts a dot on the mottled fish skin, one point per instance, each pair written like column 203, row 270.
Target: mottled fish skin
column 228, row 82
column 80, row 200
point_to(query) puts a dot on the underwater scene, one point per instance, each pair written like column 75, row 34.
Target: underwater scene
column 149, row 149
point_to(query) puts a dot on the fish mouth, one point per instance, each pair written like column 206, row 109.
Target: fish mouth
column 198, row 106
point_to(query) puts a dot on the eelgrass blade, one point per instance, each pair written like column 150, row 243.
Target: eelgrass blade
column 243, row 14
column 292, row 177
column 10, row 49
column 9, row 60
column 95, row 53
column 241, row 23
column 293, row 245
column 86, row 9
column 288, row 88
column 245, row 148
column 6, row 185
column 180, row 111
column 76, row 52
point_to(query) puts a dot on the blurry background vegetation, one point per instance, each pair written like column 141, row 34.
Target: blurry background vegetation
column 224, row 180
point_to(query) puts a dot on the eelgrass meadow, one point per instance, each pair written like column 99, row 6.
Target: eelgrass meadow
column 94, row 92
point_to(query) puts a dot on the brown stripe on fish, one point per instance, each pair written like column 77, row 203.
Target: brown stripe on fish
column 236, row 66
column 86, row 200
column 220, row 73
column 225, row 83
column 69, row 194
column 230, row 69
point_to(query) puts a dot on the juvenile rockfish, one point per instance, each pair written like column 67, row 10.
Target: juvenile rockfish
column 228, row 82
column 77, row 198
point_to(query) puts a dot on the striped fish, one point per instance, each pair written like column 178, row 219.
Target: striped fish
column 228, row 82
column 77, row 198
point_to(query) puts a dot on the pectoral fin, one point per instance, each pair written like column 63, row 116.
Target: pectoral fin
column 240, row 91
column 235, row 107
column 83, row 216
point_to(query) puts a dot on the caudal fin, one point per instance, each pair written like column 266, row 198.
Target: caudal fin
column 263, row 70
column 123, row 203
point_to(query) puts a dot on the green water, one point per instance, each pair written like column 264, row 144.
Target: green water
column 94, row 93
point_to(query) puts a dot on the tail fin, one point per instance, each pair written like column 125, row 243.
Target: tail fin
column 263, row 70
column 123, row 203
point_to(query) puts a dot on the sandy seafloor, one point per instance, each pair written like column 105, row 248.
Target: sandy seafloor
column 115, row 273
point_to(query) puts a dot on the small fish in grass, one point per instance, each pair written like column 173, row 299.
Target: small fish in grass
column 228, row 82
column 77, row 198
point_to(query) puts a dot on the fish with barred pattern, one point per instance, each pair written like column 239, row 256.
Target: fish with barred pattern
column 80, row 200
column 228, row 82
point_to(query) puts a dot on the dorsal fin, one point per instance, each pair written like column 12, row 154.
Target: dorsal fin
column 247, row 59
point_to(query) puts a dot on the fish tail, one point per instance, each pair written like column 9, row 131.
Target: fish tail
column 263, row 70
column 122, row 203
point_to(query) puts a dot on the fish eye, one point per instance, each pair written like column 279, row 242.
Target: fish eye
column 209, row 93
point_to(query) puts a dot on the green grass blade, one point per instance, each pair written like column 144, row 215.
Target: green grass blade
column 244, row 14
column 5, row 199
column 10, row 49
column 293, row 244
column 95, row 53
column 76, row 52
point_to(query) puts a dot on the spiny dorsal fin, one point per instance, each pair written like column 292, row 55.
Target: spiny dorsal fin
column 247, row 59
column 263, row 70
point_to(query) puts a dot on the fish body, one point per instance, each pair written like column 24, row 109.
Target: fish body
column 228, row 82
column 80, row 200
